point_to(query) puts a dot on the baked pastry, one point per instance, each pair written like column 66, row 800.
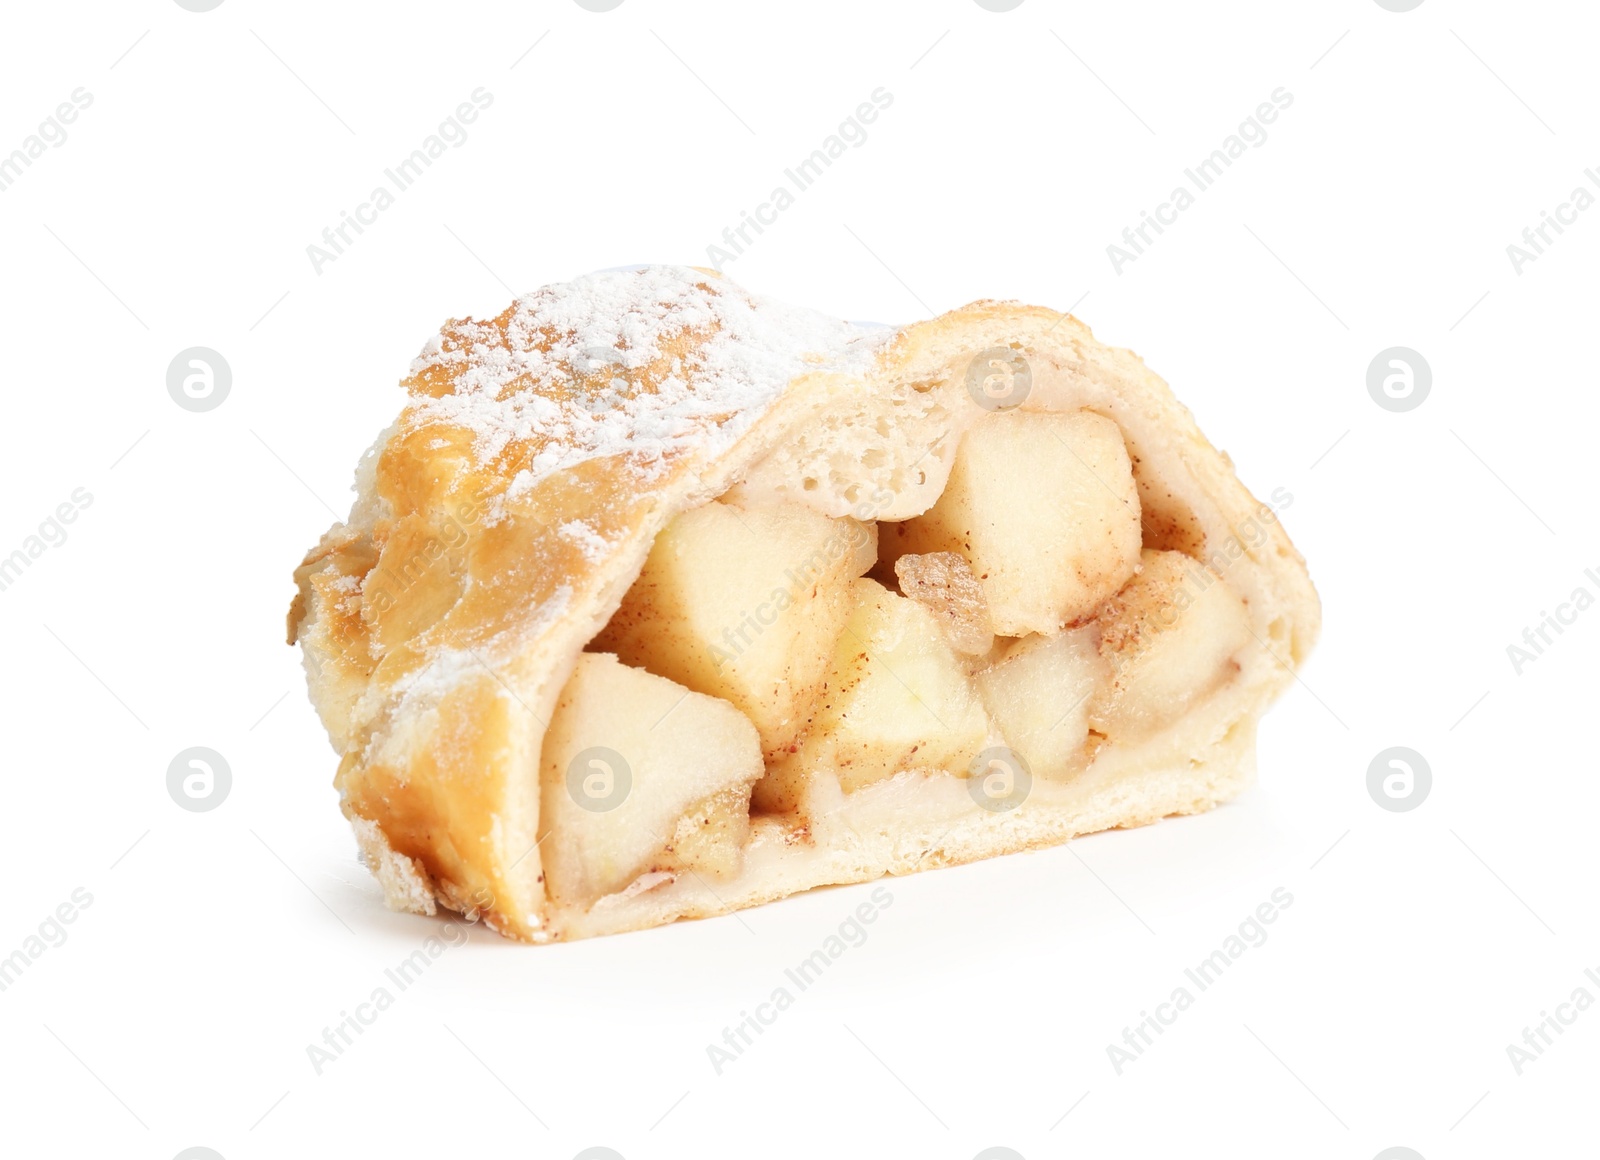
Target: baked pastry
column 661, row 599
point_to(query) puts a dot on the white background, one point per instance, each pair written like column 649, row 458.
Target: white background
column 219, row 945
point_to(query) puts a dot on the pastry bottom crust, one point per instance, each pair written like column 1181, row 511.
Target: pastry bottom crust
column 917, row 822
column 910, row 823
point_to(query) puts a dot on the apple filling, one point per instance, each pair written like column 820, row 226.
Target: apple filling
column 755, row 668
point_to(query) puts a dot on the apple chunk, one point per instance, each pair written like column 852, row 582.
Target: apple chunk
column 1170, row 637
column 1039, row 694
column 628, row 757
column 897, row 698
column 710, row 838
column 1044, row 507
column 745, row 604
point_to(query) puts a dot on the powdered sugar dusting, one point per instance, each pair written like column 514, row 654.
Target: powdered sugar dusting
column 421, row 689
column 518, row 386
column 593, row 545
column 346, row 592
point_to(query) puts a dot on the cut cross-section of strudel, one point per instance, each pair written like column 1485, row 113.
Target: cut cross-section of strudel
column 661, row 599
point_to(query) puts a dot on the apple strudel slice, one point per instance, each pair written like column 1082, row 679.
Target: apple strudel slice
column 661, row 599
